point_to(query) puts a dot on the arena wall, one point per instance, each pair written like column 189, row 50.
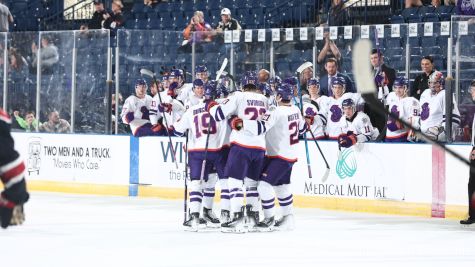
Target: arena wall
column 404, row 179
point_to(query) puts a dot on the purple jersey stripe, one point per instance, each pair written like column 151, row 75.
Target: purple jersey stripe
column 225, row 197
column 285, row 204
column 266, row 207
column 285, row 199
column 193, row 199
column 267, row 201
column 224, row 191
column 209, row 195
column 238, row 195
column 252, row 195
column 235, row 189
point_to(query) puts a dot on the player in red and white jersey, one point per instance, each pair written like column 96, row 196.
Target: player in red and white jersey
column 12, row 174
column 172, row 107
column 197, row 120
column 335, row 111
column 358, row 127
column 137, row 112
column 197, row 96
column 315, row 108
column 282, row 126
column 404, row 107
column 433, row 111
column 246, row 155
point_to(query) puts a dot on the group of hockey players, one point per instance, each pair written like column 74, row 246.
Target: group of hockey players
column 244, row 137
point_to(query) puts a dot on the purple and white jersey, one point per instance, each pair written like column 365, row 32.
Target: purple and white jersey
column 197, row 120
column 407, row 109
column 178, row 109
column 282, row 126
column 247, row 106
column 432, row 110
column 361, row 126
column 335, row 113
column 183, row 93
column 319, row 122
column 192, row 100
column 142, row 111
column 323, row 103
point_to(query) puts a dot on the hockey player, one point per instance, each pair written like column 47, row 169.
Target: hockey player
column 137, row 112
column 246, row 155
column 358, row 126
column 282, row 125
column 12, row 174
column 315, row 107
column 403, row 107
column 335, row 112
column 201, row 72
column 198, row 93
column 433, row 111
column 181, row 90
column 197, row 120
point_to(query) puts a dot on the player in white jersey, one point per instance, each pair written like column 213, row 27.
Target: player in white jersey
column 246, row 155
column 358, row 126
column 433, row 111
column 183, row 90
column 335, row 112
column 201, row 72
column 137, row 112
column 171, row 106
column 315, row 108
column 197, row 120
column 282, row 126
column 266, row 89
column 197, row 95
column 403, row 107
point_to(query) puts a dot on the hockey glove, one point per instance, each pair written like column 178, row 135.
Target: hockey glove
column 380, row 79
column 157, row 128
column 236, row 123
column 309, row 120
column 347, row 140
column 394, row 125
column 165, row 107
column 129, row 117
column 434, row 132
column 209, row 104
column 172, row 89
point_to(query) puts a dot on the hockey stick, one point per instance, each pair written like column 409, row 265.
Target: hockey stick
column 298, row 71
column 150, row 74
column 185, row 202
column 327, row 172
column 203, row 165
column 367, row 89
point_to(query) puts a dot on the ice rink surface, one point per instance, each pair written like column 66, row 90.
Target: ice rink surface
column 77, row 230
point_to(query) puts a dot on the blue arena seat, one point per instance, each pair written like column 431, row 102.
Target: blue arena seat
column 428, row 41
column 413, row 18
column 397, row 19
column 431, row 17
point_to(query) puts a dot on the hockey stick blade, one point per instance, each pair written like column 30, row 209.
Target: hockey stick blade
column 366, row 87
column 325, row 175
column 220, row 71
column 304, row 66
column 147, row 73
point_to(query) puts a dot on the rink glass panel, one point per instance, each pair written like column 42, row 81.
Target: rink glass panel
column 463, row 71
column 3, row 38
column 208, row 50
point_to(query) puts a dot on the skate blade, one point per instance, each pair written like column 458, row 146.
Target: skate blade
column 238, row 230
column 213, row 225
column 264, row 229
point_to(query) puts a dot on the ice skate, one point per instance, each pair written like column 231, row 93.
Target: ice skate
column 211, row 220
column 286, row 223
column 267, row 225
column 236, row 225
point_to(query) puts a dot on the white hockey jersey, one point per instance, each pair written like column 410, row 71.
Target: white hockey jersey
column 282, row 126
column 183, row 93
column 361, row 126
column 197, row 120
column 178, row 109
column 335, row 113
column 319, row 122
column 192, row 100
column 247, row 106
column 407, row 109
column 142, row 109
column 432, row 110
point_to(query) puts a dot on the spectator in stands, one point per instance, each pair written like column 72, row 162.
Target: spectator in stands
column 389, row 74
column 436, row 3
column 329, row 50
column 227, row 23
column 263, row 76
column 55, row 124
column 5, row 17
column 115, row 20
column 466, row 7
column 413, row 3
column 18, row 64
column 98, row 16
column 198, row 25
column 331, row 66
column 150, row 3
column 49, row 55
column 421, row 82
column 337, row 16
column 29, row 124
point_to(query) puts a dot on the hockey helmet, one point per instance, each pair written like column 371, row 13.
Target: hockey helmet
column 436, row 77
column 275, row 81
column 223, row 91
column 285, row 91
column 265, row 89
column 211, row 91
column 176, row 73
column 400, row 81
column 338, row 81
column 201, row 68
column 197, row 82
column 348, row 103
column 141, row 82
column 291, row 81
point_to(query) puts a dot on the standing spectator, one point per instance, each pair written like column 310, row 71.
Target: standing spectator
column 389, row 74
column 227, row 23
column 115, row 20
column 150, row 3
column 413, row 3
column 55, row 124
column 5, row 17
column 337, row 16
column 329, row 50
column 198, row 25
column 421, row 82
column 29, row 124
column 331, row 66
column 18, row 64
column 98, row 16
column 49, row 55
column 471, row 179
column 466, row 7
